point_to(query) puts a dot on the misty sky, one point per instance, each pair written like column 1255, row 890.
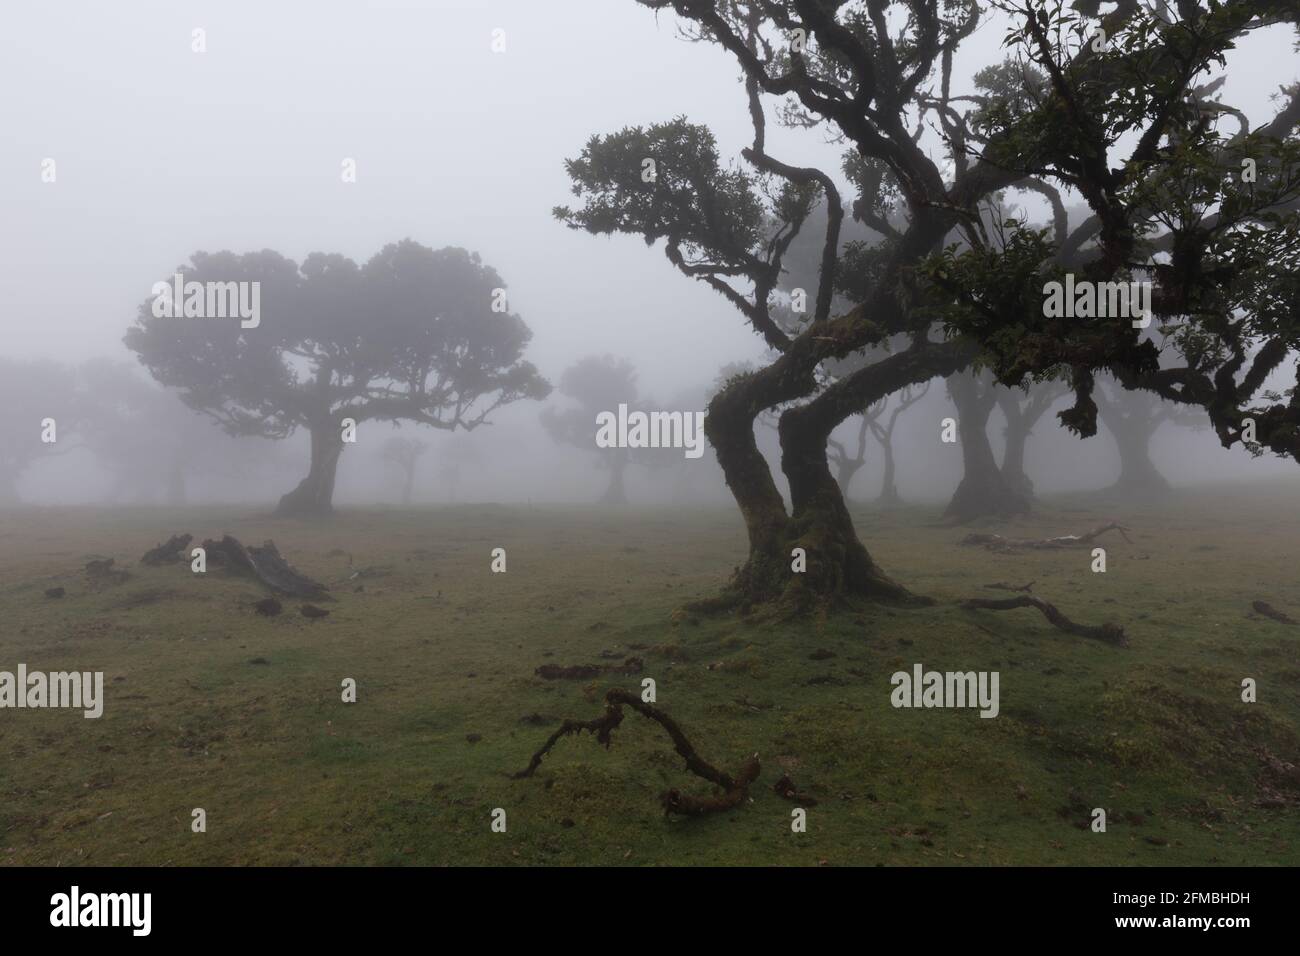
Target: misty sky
column 161, row 151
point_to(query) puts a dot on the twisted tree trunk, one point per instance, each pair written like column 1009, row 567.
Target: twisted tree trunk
column 888, row 485
column 836, row 564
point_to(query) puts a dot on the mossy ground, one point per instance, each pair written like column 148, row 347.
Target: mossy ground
column 209, row 705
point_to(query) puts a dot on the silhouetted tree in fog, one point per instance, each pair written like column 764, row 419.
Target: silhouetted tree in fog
column 1022, row 410
column 598, row 383
column 1132, row 418
column 414, row 334
column 405, row 453
column 30, row 393
column 883, row 426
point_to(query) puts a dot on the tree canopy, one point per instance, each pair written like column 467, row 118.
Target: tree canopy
column 1117, row 108
column 414, row 334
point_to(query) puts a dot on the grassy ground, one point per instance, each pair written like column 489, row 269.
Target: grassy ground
column 209, row 705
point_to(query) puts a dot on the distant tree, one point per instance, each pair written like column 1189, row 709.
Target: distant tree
column 405, row 453
column 1022, row 409
column 883, row 428
column 1132, row 418
column 848, row 463
column 30, row 392
column 983, row 489
column 597, row 383
column 148, row 440
column 412, row 335
column 455, row 451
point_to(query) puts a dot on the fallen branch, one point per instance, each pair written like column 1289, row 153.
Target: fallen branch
column 1262, row 607
column 169, row 551
column 996, row 542
column 267, row 566
column 1010, row 587
column 734, row 789
column 1110, row 633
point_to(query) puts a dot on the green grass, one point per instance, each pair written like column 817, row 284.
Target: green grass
column 209, row 705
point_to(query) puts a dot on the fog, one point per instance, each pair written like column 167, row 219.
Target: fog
column 162, row 151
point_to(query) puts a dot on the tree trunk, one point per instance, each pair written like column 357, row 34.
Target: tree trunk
column 845, row 471
column 315, row 493
column 836, row 564
column 1138, row 474
column 616, row 494
column 729, row 427
column 1013, row 459
column 983, row 490
column 888, row 486
column 837, row 561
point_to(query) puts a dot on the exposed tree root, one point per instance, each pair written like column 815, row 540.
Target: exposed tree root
column 1011, row 587
column 996, row 542
column 169, row 551
column 1267, row 610
column 267, row 566
column 734, row 789
column 1110, row 633
column 633, row 665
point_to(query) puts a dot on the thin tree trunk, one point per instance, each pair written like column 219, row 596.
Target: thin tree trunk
column 888, row 483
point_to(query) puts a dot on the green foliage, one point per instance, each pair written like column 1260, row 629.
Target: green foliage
column 709, row 211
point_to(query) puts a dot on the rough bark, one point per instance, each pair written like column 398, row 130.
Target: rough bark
column 729, row 426
column 983, row 490
column 838, row 566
